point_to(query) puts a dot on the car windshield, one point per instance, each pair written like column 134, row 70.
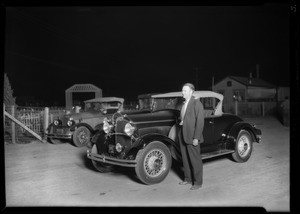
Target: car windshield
column 145, row 103
column 209, row 103
column 167, row 103
column 102, row 106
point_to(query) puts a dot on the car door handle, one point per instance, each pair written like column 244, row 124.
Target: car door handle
column 211, row 122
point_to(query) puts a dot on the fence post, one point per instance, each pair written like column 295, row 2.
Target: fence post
column 4, row 116
column 13, row 126
column 263, row 109
column 46, row 119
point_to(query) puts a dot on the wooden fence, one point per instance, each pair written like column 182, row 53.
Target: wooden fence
column 35, row 119
column 23, row 124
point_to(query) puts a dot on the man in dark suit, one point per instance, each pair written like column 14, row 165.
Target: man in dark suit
column 190, row 137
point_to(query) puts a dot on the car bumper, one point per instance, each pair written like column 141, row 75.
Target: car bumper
column 59, row 136
column 110, row 160
column 258, row 135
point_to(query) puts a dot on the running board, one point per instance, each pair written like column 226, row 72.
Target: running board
column 216, row 153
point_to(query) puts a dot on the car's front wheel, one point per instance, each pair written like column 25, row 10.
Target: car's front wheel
column 243, row 147
column 81, row 136
column 101, row 167
column 153, row 163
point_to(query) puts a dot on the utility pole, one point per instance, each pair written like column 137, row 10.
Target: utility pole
column 196, row 72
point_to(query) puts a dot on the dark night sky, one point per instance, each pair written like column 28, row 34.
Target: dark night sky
column 127, row 51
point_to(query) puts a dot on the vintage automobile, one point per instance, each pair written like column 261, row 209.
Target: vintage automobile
column 147, row 140
column 145, row 101
column 79, row 127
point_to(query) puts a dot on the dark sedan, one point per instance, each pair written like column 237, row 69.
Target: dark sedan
column 147, row 140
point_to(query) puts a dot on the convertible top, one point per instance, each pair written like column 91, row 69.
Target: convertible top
column 106, row 99
column 196, row 94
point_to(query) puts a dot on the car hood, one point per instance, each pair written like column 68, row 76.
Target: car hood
column 85, row 115
column 147, row 116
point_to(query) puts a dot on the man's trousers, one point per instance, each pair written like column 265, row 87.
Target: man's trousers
column 192, row 161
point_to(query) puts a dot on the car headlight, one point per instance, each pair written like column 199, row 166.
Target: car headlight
column 70, row 122
column 129, row 129
column 106, row 126
column 57, row 122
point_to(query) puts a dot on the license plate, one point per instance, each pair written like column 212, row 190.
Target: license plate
column 59, row 131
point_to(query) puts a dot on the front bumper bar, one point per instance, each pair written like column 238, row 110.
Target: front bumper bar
column 59, row 136
column 110, row 160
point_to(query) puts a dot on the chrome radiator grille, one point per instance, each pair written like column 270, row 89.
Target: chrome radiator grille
column 120, row 135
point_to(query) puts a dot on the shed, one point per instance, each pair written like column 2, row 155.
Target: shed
column 81, row 88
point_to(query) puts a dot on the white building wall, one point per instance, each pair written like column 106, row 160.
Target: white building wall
column 228, row 101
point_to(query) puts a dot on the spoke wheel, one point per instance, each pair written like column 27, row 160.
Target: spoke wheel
column 153, row 163
column 243, row 147
column 81, row 136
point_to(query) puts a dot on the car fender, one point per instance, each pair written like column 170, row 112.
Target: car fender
column 148, row 138
column 234, row 131
column 82, row 124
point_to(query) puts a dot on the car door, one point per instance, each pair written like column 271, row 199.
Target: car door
column 208, row 134
column 208, row 129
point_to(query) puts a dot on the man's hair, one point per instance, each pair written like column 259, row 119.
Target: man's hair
column 190, row 85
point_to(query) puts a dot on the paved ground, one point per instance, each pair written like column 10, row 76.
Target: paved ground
column 41, row 174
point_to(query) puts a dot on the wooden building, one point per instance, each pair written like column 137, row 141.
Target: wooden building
column 247, row 95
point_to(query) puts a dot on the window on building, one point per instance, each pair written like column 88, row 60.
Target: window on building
column 239, row 95
column 229, row 83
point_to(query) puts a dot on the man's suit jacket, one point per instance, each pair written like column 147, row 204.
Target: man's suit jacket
column 193, row 121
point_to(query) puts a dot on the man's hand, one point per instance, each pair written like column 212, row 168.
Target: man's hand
column 195, row 142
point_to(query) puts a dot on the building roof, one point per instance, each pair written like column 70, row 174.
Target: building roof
column 255, row 82
column 83, row 88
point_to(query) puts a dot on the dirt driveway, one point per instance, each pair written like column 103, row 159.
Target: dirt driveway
column 42, row 174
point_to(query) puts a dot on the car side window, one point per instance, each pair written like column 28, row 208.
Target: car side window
column 209, row 105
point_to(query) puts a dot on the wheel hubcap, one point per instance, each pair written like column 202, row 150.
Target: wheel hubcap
column 82, row 137
column 155, row 163
column 243, row 146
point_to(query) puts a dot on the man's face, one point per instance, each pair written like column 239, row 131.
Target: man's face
column 186, row 92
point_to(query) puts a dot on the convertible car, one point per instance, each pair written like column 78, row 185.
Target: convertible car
column 79, row 127
column 147, row 140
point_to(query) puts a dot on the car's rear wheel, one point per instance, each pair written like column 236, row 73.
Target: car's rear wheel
column 243, row 147
column 81, row 136
column 153, row 163
column 101, row 167
column 55, row 141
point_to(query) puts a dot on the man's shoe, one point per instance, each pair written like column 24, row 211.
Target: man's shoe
column 184, row 183
column 194, row 187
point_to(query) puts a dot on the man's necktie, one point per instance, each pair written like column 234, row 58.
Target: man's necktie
column 182, row 112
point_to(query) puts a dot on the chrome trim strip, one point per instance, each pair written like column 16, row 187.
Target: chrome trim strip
column 154, row 121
